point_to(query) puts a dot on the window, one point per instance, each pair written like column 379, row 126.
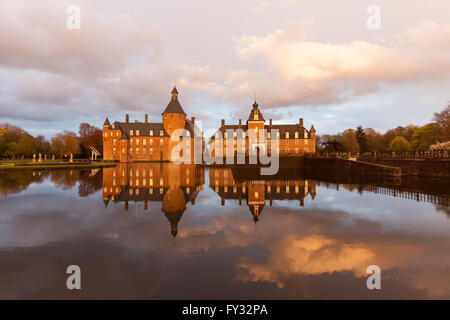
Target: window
column 144, row 141
column 114, row 150
column 306, row 134
column 161, row 141
column 151, row 141
column 217, row 135
column 143, row 151
column 113, row 126
column 278, row 134
column 137, row 142
column 188, row 134
column 137, row 150
column 287, row 135
column 111, row 134
column 117, row 133
column 131, row 132
column 296, row 135
column 255, row 114
column 151, row 152
column 137, row 132
column 161, row 133
column 268, row 135
column 151, row 132
column 114, row 142
column 106, row 134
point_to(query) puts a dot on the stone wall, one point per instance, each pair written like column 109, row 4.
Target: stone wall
column 418, row 167
column 337, row 165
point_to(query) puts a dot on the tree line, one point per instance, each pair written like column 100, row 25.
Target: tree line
column 434, row 135
column 16, row 143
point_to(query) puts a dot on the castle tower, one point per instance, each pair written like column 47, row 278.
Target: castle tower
column 174, row 116
column 255, row 124
column 173, row 206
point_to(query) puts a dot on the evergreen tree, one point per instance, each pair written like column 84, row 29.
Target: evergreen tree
column 362, row 139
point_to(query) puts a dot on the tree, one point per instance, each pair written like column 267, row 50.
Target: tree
column 90, row 136
column 41, row 145
column 442, row 119
column 374, row 140
column 361, row 138
column 348, row 139
column 399, row 144
column 426, row 136
column 22, row 147
column 65, row 143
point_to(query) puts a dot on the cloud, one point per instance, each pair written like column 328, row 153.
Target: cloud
column 310, row 72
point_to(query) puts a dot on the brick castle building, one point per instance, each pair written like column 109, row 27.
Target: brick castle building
column 256, row 134
column 146, row 141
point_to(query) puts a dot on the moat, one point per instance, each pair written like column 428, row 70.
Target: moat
column 166, row 231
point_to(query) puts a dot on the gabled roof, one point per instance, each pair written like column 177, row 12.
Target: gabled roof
column 255, row 116
column 282, row 129
column 144, row 128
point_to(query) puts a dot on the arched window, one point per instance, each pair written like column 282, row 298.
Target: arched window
column 255, row 114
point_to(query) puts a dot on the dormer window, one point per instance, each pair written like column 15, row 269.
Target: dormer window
column 306, row 134
column 137, row 132
column 287, row 135
column 161, row 133
column 296, row 135
column 113, row 126
column 131, row 132
column 151, row 132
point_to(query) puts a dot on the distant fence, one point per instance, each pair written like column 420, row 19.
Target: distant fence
column 409, row 155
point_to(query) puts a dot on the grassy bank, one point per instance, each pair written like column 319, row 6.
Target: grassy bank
column 58, row 166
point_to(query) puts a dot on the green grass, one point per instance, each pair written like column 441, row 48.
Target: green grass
column 59, row 166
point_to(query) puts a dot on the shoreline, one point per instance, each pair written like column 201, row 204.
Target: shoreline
column 57, row 166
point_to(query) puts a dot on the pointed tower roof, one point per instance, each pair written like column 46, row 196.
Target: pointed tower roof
column 174, row 106
column 106, row 122
column 255, row 114
column 312, row 129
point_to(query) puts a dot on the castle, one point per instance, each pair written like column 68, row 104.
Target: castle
column 147, row 141
column 255, row 134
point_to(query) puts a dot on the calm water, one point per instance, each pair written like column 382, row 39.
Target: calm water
column 166, row 231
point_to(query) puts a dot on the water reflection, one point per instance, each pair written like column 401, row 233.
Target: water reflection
column 173, row 185
column 316, row 234
column 239, row 184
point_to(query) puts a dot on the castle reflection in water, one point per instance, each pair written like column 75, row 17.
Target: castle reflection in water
column 176, row 185
column 173, row 185
column 244, row 184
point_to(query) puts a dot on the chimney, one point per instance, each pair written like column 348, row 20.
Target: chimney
column 127, row 118
column 301, row 122
column 193, row 120
column 240, row 122
column 270, row 122
column 223, row 122
column 146, row 118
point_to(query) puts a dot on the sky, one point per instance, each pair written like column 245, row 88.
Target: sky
column 316, row 60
